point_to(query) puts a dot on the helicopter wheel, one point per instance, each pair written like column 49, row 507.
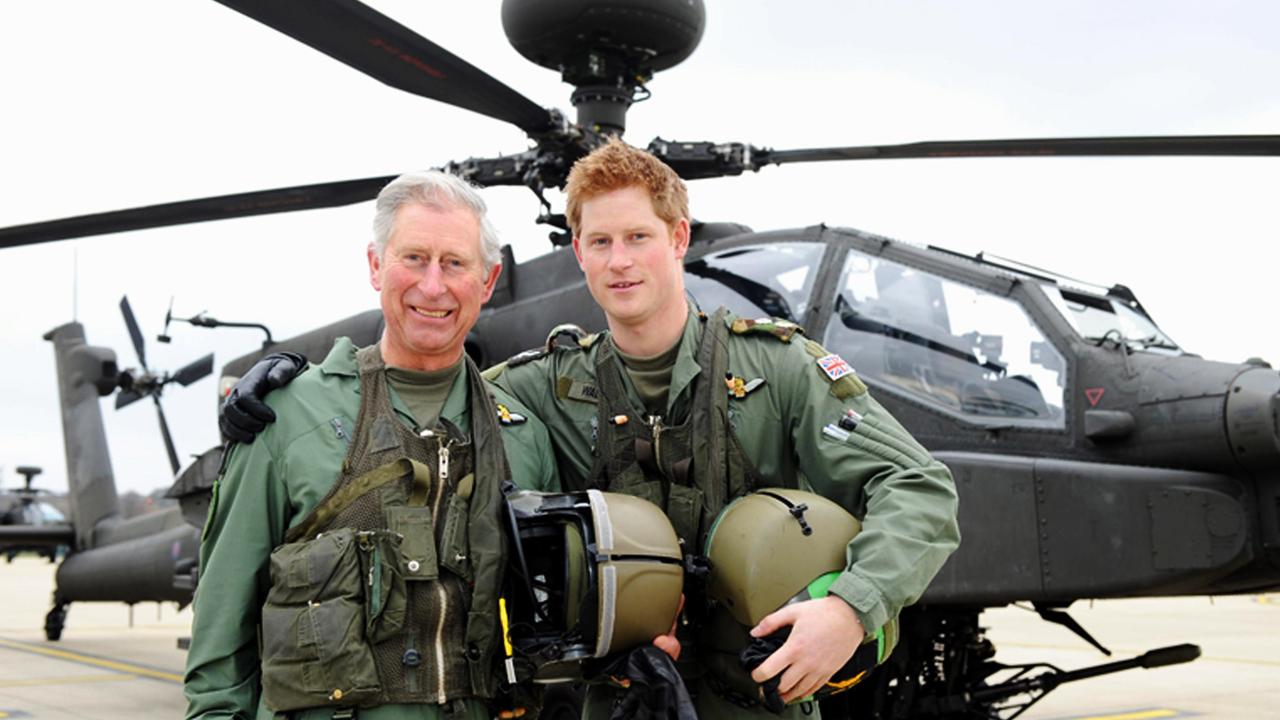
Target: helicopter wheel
column 55, row 620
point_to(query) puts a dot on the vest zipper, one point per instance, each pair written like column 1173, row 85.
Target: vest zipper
column 443, row 472
column 444, row 602
column 655, row 424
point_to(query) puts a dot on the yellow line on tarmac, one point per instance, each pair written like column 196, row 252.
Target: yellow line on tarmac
column 94, row 661
column 1139, row 715
column 62, row 680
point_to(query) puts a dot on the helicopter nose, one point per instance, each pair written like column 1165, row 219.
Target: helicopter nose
column 1253, row 405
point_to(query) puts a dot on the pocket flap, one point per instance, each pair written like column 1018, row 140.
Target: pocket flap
column 418, row 559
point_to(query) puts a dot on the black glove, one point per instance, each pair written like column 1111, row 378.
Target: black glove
column 756, row 652
column 654, row 689
column 243, row 414
column 850, row 674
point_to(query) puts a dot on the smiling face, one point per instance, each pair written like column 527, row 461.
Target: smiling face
column 633, row 261
column 432, row 282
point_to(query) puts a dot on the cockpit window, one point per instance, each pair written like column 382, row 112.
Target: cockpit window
column 41, row 513
column 949, row 344
column 1099, row 319
column 756, row 280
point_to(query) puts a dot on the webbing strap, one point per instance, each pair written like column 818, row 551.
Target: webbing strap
column 372, row 480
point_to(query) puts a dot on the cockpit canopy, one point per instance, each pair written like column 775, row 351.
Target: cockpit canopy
column 954, row 346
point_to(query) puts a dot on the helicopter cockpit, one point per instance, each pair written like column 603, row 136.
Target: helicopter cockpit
column 947, row 344
column 967, row 349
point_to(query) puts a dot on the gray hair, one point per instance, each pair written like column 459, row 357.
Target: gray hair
column 437, row 190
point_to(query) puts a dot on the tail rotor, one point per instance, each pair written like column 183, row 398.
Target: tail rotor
column 135, row 385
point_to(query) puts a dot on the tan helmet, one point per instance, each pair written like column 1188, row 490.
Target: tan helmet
column 778, row 546
column 590, row 574
column 770, row 546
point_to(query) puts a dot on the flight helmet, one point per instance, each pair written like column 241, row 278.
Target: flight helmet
column 780, row 546
column 590, row 574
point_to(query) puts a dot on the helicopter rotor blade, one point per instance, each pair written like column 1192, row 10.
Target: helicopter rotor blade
column 134, row 333
column 382, row 48
column 168, row 438
column 1187, row 145
column 702, row 159
column 194, row 371
column 222, row 207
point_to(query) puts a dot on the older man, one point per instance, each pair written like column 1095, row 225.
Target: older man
column 353, row 555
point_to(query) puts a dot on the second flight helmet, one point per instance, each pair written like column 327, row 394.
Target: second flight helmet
column 590, row 574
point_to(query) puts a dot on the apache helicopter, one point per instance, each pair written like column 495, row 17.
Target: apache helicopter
column 1094, row 457
column 151, row 557
column 23, row 507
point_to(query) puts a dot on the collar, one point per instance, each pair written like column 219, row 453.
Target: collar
column 686, row 368
column 683, row 372
column 341, row 361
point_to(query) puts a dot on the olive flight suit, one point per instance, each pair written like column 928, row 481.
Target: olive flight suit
column 797, row 417
column 275, row 484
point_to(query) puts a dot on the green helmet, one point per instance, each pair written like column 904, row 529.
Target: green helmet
column 591, row 573
column 778, row 546
column 771, row 546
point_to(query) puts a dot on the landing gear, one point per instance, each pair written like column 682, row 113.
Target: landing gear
column 56, row 619
column 944, row 667
column 940, row 654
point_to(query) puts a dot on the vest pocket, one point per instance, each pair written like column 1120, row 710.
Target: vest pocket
column 683, row 505
column 650, row 490
column 684, row 509
column 386, row 598
column 314, row 648
column 418, row 547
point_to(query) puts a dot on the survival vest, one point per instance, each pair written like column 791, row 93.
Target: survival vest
column 691, row 467
column 388, row 591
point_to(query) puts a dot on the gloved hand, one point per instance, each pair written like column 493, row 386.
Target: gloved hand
column 243, row 414
column 759, row 649
column 756, row 652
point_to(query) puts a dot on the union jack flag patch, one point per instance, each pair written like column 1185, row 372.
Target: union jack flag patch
column 834, row 366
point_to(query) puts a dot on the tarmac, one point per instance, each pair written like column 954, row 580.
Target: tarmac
column 110, row 666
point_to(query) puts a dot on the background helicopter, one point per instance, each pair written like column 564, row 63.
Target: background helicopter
column 110, row 556
column 33, row 507
column 963, row 177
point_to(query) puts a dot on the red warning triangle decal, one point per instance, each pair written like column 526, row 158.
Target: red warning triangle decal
column 1093, row 395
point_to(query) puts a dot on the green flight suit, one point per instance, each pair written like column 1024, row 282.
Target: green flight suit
column 906, row 500
column 271, row 485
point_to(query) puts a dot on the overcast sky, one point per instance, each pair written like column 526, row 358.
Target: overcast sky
column 112, row 105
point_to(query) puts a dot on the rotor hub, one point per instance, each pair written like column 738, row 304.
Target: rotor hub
column 607, row 49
